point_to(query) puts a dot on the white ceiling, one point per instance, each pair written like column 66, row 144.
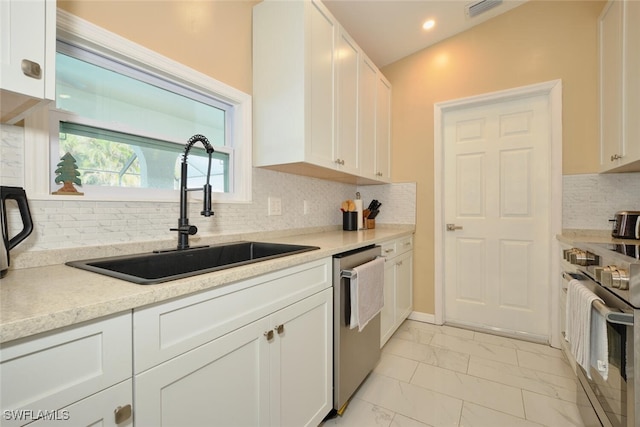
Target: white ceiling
column 388, row 30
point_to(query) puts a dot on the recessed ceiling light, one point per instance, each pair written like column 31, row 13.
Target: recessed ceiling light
column 429, row 24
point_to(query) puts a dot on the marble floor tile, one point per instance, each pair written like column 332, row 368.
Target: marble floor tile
column 360, row 413
column 544, row 363
column 436, row 356
column 476, row 348
column 518, row 344
column 554, row 412
column 441, row 376
column 396, row 367
column 483, row 392
column 525, row 378
column 402, row 421
column 478, row 416
column 412, row 401
column 434, row 329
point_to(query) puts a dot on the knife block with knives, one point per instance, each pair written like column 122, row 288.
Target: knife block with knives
column 371, row 213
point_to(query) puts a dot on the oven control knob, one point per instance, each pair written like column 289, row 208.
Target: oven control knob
column 584, row 258
column 607, row 276
column 567, row 253
column 573, row 256
column 598, row 271
column 622, row 280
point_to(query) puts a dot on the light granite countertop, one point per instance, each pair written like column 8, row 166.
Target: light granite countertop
column 51, row 295
column 571, row 237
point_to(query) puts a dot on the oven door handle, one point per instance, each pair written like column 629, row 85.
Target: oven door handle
column 611, row 315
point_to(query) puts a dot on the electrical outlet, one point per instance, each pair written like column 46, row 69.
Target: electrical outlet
column 275, row 206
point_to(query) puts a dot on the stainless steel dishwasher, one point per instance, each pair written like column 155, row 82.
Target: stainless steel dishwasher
column 355, row 354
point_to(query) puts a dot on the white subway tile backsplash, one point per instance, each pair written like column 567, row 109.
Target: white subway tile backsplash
column 591, row 200
column 75, row 222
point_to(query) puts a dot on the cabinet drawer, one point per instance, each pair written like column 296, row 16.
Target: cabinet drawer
column 166, row 330
column 53, row 370
column 389, row 249
column 404, row 245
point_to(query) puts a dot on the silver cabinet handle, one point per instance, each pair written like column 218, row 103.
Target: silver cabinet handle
column 279, row 329
column 269, row 335
column 338, row 161
column 616, row 157
column 453, row 227
column 122, row 413
column 31, row 69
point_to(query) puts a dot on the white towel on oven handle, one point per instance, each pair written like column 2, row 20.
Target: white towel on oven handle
column 599, row 344
column 579, row 306
column 367, row 293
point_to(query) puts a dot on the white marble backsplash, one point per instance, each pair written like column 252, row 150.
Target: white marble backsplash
column 73, row 222
column 591, row 200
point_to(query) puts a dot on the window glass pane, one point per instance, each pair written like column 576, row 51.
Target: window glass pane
column 110, row 158
column 98, row 93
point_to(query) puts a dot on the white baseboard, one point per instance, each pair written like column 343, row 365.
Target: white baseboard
column 423, row 317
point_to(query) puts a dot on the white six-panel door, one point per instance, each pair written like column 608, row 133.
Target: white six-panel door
column 497, row 196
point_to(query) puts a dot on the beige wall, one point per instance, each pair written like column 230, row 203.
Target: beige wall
column 213, row 37
column 539, row 41
column 536, row 42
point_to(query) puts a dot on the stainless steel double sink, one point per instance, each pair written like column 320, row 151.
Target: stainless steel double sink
column 152, row 268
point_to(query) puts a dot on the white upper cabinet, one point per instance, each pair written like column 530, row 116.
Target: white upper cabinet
column 27, row 56
column 348, row 55
column 307, row 94
column 383, row 129
column 620, row 87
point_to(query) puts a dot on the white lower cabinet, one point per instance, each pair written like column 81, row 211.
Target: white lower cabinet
column 76, row 376
column 101, row 409
column 260, row 354
column 398, row 286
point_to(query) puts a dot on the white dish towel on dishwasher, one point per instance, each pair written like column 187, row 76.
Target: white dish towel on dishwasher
column 579, row 328
column 367, row 293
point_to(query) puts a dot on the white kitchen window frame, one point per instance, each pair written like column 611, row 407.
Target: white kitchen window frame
column 85, row 35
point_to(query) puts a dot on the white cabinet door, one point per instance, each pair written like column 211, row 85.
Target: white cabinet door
column 321, row 131
column 398, row 286
column 404, row 286
column 274, row 371
column 98, row 409
column 348, row 58
column 27, row 54
column 631, row 84
column 611, row 85
column 367, row 119
column 620, row 87
column 52, row 370
column 388, row 314
column 302, row 362
column 383, row 130
column 222, row 383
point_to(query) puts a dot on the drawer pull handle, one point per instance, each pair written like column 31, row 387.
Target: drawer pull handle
column 279, row 329
column 269, row 335
column 122, row 413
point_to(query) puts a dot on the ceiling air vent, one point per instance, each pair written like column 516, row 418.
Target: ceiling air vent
column 476, row 8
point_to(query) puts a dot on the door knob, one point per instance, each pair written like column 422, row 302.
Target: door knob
column 453, row 227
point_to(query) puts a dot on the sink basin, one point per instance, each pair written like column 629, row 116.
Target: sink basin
column 151, row 268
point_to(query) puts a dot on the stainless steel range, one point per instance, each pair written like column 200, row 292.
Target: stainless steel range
column 612, row 271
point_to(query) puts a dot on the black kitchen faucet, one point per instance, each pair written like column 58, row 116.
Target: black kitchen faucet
column 184, row 229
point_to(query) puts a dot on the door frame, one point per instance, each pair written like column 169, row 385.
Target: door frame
column 553, row 91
